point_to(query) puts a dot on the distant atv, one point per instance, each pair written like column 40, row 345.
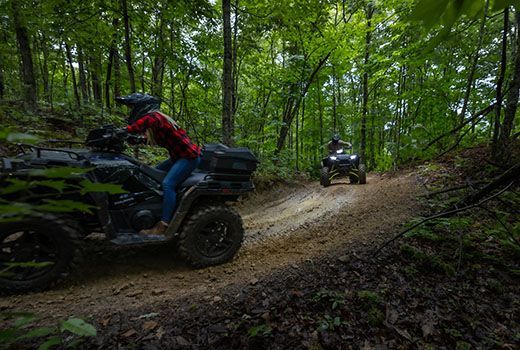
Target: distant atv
column 205, row 229
column 338, row 164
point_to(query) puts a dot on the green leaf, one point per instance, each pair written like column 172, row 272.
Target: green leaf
column 23, row 319
column 89, row 186
column 31, row 264
column 20, row 137
column 7, row 335
column 64, row 206
column 36, row 333
column 57, row 185
column 15, row 185
column 50, row 343
column 60, row 172
column 79, row 327
column 14, row 208
column 429, row 11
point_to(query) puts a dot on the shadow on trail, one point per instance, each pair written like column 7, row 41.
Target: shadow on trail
column 102, row 261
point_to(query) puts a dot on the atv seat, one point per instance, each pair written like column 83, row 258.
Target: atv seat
column 156, row 174
column 159, row 175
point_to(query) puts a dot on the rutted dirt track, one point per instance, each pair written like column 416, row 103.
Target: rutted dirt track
column 284, row 226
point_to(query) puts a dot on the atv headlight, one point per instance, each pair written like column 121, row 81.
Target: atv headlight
column 353, row 157
column 339, row 151
column 333, row 157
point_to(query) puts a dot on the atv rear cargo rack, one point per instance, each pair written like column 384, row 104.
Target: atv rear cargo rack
column 26, row 148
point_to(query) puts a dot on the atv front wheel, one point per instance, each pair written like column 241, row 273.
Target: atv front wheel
column 324, row 177
column 212, row 235
column 362, row 174
column 36, row 253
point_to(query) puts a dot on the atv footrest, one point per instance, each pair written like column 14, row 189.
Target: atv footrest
column 135, row 238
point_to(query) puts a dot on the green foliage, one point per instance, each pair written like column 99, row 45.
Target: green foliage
column 78, row 327
column 261, row 330
column 427, row 262
column 369, row 298
column 414, row 95
column 336, row 299
column 447, row 12
column 329, row 323
column 18, row 328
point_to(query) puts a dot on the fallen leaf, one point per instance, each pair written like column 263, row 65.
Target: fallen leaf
column 149, row 325
column 129, row 333
column 160, row 332
column 182, row 341
column 403, row 333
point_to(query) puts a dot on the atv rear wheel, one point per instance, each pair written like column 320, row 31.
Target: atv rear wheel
column 324, row 177
column 212, row 235
column 362, row 174
column 36, row 253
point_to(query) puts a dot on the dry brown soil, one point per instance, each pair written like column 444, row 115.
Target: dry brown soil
column 285, row 226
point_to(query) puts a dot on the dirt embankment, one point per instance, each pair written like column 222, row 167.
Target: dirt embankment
column 284, row 227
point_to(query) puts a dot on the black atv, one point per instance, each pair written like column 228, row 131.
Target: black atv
column 339, row 163
column 205, row 229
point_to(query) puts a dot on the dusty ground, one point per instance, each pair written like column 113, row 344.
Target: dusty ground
column 284, row 227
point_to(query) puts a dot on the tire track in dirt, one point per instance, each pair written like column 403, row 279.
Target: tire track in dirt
column 284, row 226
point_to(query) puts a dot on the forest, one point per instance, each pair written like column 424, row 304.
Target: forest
column 277, row 77
column 426, row 254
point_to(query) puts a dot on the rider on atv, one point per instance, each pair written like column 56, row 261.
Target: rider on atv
column 336, row 144
column 161, row 130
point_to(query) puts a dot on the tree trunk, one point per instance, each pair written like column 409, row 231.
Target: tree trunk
column 73, row 75
column 227, row 77
column 111, row 58
column 334, row 115
column 500, row 82
column 117, row 74
column 235, row 65
column 22, row 37
column 364, row 112
column 293, row 103
column 128, row 49
column 95, row 68
column 158, row 63
column 82, row 77
column 110, row 63
column 43, row 62
column 2, row 84
column 504, row 138
column 473, row 68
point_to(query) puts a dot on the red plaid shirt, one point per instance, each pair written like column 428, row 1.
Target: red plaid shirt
column 171, row 137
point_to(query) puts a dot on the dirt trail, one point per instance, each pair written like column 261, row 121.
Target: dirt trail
column 284, row 226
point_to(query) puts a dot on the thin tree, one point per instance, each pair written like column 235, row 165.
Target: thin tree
column 128, row 47
column 22, row 37
column 504, row 137
column 368, row 37
column 227, row 77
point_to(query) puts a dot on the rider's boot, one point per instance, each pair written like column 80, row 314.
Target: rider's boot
column 159, row 229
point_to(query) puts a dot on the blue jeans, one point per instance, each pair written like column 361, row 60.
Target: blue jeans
column 178, row 171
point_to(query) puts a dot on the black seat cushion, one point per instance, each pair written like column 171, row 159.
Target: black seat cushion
column 154, row 173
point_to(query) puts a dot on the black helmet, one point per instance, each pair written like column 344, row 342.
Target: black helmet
column 141, row 104
column 335, row 138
